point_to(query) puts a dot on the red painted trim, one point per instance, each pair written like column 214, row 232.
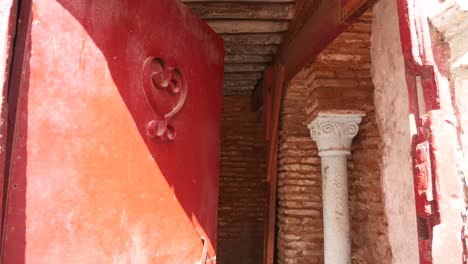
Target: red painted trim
column 8, row 21
column 434, row 187
column 12, row 94
column 268, row 88
column 417, row 50
column 278, row 77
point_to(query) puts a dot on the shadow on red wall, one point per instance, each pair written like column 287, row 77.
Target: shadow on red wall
column 126, row 33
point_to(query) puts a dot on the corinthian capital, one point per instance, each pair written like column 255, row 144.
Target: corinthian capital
column 335, row 132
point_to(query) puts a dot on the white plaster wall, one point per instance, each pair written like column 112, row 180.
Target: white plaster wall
column 451, row 19
column 391, row 102
column 461, row 96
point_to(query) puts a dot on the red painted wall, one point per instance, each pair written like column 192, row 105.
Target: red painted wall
column 88, row 184
column 8, row 16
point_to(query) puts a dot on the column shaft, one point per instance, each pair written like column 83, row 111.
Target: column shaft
column 333, row 134
column 335, row 210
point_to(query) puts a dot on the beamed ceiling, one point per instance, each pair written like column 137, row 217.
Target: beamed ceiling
column 253, row 31
column 289, row 32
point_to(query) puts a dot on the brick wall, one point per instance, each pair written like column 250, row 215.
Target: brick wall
column 340, row 76
column 242, row 187
column 339, row 79
column 300, row 229
column 369, row 228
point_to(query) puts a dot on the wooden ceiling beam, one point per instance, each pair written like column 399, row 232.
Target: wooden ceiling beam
column 324, row 23
column 316, row 25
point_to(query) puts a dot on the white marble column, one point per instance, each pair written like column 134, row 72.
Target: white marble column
column 333, row 134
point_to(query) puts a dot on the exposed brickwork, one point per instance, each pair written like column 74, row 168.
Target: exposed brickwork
column 242, row 187
column 340, row 76
column 369, row 229
column 340, row 79
column 300, row 229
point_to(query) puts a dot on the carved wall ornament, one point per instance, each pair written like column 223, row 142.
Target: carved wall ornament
column 166, row 92
column 335, row 132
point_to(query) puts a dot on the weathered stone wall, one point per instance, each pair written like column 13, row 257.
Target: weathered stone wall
column 446, row 23
column 449, row 18
column 392, row 112
column 339, row 79
column 449, row 28
column 242, row 187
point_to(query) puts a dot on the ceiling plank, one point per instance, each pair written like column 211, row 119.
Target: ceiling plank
column 237, row 93
column 239, row 58
column 242, row 10
column 255, row 38
column 241, row 88
column 244, row 67
column 243, row 1
column 247, row 26
column 243, row 76
column 250, row 49
column 235, row 83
